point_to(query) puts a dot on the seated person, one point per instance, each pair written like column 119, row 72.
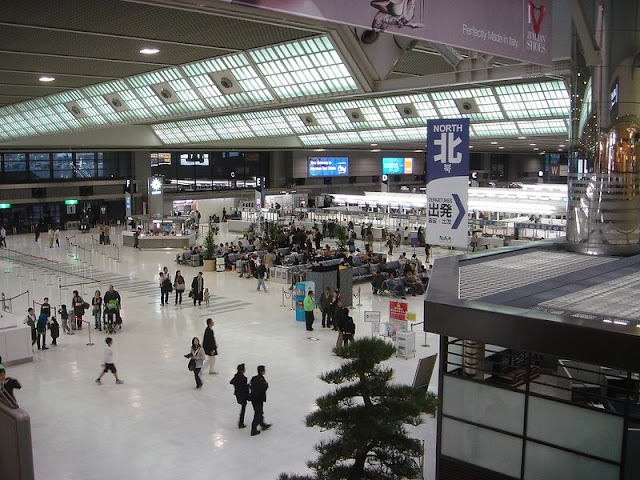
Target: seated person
column 414, row 285
column 395, row 286
column 377, row 282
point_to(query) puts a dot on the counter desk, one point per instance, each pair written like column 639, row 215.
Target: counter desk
column 157, row 241
column 15, row 340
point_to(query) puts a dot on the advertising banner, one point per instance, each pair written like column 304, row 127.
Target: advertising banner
column 519, row 29
column 397, row 317
column 397, row 166
column 328, row 166
column 447, row 182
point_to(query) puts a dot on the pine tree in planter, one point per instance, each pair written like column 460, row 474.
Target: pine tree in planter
column 342, row 235
column 209, row 245
column 368, row 415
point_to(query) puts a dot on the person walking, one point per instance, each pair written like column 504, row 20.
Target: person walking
column 309, row 305
column 348, row 327
column 259, row 388
column 31, row 321
column 179, row 286
column 241, row 391
column 36, row 231
column 79, row 307
column 261, row 272
column 390, row 243
column 210, row 347
column 64, row 316
column 41, row 328
column 108, row 365
column 197, row 355
column 3, row 237
column 54, row 330
column 165, row 286
column 96, row 309
column 325, row 307
column 50, row 234
column 56, row 235
column 197, row 288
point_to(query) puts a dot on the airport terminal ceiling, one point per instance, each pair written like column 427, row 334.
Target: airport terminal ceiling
column 227, row 76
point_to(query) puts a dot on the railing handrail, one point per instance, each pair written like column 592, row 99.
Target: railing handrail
column 13, row 298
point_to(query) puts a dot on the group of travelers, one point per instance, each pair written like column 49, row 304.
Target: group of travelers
column 198, row 292
column 334, row 315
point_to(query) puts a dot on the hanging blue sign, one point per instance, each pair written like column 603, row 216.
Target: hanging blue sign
column 447, row 182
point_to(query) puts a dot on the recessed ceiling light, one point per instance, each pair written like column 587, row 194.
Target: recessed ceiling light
column 375, row 149
column 149, row 51
column 521, row 138
column 470, row 146
column 536, row 148
column 494, row 143
column 420, row 151
column 501, row 148
column 532, row 144
column 46, row 79
column 374, row 144
column 561, row 146
column 319, row 149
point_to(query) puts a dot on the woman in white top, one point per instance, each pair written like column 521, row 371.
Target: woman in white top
column 197, row 354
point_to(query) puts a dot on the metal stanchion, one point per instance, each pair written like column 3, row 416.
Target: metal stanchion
column 359, row 296
column 89, row 330
column 282, row 305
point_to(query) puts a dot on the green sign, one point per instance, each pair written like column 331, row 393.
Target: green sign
column 4, row 206
column 71, row 202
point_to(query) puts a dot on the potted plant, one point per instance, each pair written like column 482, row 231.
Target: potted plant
column 209, row 245
column 342, row 236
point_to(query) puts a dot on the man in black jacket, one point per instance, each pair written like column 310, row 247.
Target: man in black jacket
column 259, row 388
column 210, row 347
column 241, row 391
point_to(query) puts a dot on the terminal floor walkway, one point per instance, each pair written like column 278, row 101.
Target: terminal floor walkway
column 156, row 425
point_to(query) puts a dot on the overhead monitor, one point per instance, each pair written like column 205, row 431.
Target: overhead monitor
column 160, row 159
column 397, row 165
column 198, row 159
column 328, row 166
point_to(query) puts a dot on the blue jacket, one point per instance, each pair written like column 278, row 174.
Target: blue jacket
column 41, row 324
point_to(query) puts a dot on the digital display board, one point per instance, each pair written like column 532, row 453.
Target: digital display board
column 397, row 166
column 199, row 159
column 328, row 166
column 160, row 159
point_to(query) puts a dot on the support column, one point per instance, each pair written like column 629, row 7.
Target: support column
column 603, row 215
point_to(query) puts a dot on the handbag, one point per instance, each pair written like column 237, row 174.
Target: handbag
column 192, row 364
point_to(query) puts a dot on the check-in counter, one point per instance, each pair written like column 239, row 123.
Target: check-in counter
column 485, row 243
column 159, row 241
column 238, row 225
column 15, row 340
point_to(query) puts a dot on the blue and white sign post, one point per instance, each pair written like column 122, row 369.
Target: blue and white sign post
column 447, row 182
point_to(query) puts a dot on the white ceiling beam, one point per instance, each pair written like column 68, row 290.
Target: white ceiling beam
column 482, row 75
column 585, row 33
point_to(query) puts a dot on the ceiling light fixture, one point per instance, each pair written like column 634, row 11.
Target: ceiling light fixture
column 375, row 150
column 532, row 144
column 494, row 143
column 46, row 79
column 521, row 138
column 536, row 148
column 420, row 151
column 374, row 144
column 149, row 51
column 501, row 148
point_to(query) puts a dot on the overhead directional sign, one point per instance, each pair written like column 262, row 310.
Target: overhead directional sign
column 447, row 182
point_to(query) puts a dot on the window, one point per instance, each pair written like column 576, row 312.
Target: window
column 39, row 166
column 62, row 165
column 85, row 165
column 15, row 162
column 100, row 161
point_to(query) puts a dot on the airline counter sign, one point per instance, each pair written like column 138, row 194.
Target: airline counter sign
column 447, row 182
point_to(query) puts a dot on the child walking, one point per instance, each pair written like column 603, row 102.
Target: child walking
column 108, row 365
column 205, row 296
column 64, row 315
column 54, row 327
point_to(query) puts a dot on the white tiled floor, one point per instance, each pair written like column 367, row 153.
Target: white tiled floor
column 155, row 425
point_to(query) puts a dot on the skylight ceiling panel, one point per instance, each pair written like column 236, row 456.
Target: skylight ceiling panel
column 498, row 129
column 254, row 91
column 314, row 139
column 170, row 133
column 41, row 116
column 343, row 137
column 92, row 118
column 199, row 130
column 268, row 123
column 304, row 68
column 534, row 100
column 322, row 118
column 542, row 127
column 189, row 100
column 231, row 127
column 4, row 135
column 136, row 110
column 375, row 136
column 372, row 117
column 388, row 107
column 411, row 133
column 15, row 124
